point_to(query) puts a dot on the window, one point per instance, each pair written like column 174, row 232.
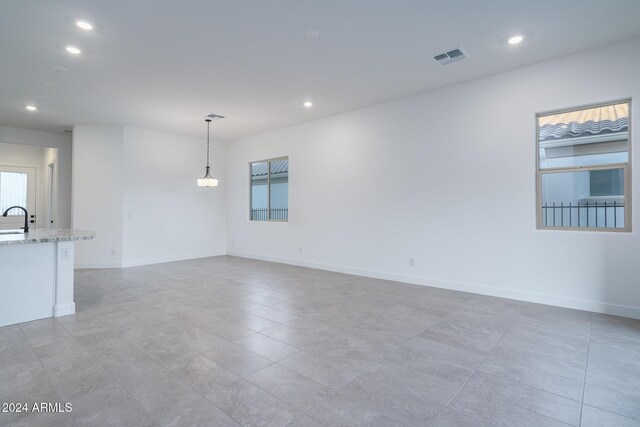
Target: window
column 583, row 168
column 605, row 183
column 13, row 191
column 270, row 190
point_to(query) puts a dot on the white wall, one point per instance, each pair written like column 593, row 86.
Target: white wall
column 98, row 193
column 167, row 217
column 424, row 176
column 137, row 190
column 60, row 142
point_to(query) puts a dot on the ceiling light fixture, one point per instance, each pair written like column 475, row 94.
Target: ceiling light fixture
column 208, row 180
column 73, row 50
column 308, row 104
column 84, row 25
column 31, row 107
column 312, row 34
column 516, row 40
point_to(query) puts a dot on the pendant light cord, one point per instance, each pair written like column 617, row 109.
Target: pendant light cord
column 207, row 180
column 208, row 125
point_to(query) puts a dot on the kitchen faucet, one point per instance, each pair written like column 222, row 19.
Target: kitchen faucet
column 26, row 216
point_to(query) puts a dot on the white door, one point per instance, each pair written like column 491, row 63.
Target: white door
column 17, row 188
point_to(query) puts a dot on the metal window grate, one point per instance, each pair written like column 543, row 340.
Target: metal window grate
column 277, row 214
column 586, row 215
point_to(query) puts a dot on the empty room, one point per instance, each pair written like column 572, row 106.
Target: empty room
column 319, row 213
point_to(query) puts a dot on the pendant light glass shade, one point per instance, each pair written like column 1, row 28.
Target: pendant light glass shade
column 207, row 180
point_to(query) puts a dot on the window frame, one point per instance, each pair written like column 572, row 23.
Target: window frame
column 268, row 190
column 625, row 166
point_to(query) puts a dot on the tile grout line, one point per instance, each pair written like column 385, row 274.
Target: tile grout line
column 343, row 386
column 301, row 413
column 306, row 413
column 586, row 367
column 151, row 417
column 115, row 380
column 201, row 326
column 535, row 388
column 480, row 364
column 241, row 377
column 255, row 385
column 43, row 367
column 163, row 367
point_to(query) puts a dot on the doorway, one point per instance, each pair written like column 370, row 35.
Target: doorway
column 17, row 188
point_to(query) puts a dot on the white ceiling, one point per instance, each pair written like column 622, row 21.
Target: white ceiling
column 165, row 64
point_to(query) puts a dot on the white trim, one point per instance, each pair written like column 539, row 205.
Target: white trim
column 578, row 304
column 64, row 310
column 588, row 139
column 147, row 261
column 89, row 265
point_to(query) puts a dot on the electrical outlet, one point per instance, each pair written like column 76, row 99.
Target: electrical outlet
column 299, row 249
column 113, row 252
column 412, row 262
column 65, row 254
column 233, row 243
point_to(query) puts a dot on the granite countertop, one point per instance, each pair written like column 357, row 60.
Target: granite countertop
column 43, row 235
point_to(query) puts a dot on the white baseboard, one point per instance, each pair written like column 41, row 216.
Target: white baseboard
column 91, row 265
column 578, row 304
column 64, row 310
column 146, row 261
column 149, row 261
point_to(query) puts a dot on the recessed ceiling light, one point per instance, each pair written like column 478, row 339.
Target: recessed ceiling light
column 74, row 50
column 31, row 107
column 49, row 84
column 59, row 68
column 308, row 104
column 312, row 33
column 84, row 25
column 516, row 39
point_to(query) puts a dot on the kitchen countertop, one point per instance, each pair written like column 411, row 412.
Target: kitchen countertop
column 43, row 235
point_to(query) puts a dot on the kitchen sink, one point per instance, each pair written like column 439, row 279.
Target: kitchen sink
column 11, row 231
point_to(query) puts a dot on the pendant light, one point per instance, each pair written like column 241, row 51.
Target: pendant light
column 208, row 180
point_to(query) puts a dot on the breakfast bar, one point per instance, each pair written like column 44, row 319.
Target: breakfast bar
column 36, row 279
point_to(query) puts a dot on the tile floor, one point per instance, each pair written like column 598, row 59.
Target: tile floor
column 227, row 341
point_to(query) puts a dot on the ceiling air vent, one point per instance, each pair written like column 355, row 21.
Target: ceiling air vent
column 451, row 56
